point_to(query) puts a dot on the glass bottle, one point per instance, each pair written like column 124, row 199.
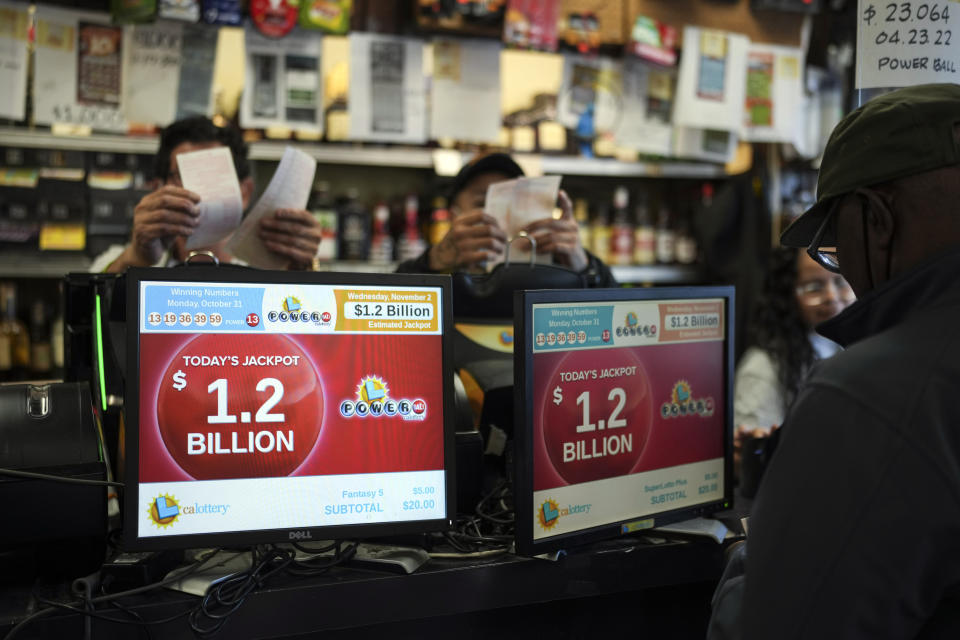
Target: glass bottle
column 381, row 244
column 439, row 220
column 666, row 236
column 41, row 355
column 323, row 210
column 581, row 213
column 14, row 339
column 411, row 242
column 644, row 233
column 621, row 231
column 353, row 221
column 600, row 234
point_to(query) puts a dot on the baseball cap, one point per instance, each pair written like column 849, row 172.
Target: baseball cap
column 897, row 134
column 490, row 163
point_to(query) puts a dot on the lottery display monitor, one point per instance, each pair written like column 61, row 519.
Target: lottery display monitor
column 268, row 406
column 623, row 411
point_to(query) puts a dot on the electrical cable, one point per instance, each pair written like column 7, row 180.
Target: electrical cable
column 196, row 566
column 43, row 476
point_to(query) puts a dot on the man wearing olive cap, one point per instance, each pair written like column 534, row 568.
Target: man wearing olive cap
column 855, row 532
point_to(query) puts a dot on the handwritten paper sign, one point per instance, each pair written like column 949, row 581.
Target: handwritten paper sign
column 901, row 44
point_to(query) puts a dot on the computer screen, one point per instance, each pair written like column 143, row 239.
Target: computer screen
column 623, row 411
column 272, row 406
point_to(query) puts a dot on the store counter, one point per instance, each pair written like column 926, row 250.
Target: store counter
column 660, row 587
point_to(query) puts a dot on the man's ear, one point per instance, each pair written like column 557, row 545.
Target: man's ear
column 879, row 222
column 246, row 191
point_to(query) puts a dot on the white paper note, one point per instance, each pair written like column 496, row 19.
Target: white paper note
column 13, row 61
column 712, row 81
column 151, row 72
column 517, row 203
column 465, row 97
column 288, row 189
column 71, row 88
column 387, row 100
column 211, row 175
column 712, row 145
column 900, row 44
column 283, row 82
column 590, row 83
column 774, row 93
column 648, row 96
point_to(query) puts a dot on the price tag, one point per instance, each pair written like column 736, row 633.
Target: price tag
column 901, row 44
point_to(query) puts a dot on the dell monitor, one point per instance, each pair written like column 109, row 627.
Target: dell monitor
column 623, row 411
column 268, row 406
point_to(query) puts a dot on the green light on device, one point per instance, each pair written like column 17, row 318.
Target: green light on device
column 99, row 331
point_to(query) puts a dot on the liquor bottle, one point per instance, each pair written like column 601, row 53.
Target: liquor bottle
column 600, row 234
column 439, row 220
column 621, row 231
column 666, row 236
column 14, row 339
column 322, row 208
column 686, row 247
column 381, row 244
column 353, row 221
column 581, row 214
column 41, row 356
column 411, row 242
column 644, row 233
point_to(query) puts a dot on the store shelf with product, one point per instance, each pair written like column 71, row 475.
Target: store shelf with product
column 365, row 155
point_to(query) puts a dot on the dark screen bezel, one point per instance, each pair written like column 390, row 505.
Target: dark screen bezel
column 135, row 276
column 523, row 411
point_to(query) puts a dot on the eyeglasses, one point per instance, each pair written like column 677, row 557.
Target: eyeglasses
column 815, row 292
column 825, row 257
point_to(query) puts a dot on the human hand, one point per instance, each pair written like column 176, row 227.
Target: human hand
column 158, row 219
column 560, row 236
column 474, row 238
column 292, row 233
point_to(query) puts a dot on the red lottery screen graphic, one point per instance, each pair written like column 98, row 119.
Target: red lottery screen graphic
column 602, row 413
column 273, row 405
column 239, row 403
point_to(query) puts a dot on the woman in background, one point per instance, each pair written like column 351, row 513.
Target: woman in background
column 798, row 294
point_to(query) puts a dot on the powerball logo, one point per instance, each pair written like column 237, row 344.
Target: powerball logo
column 373, row 400
column 549, row 512
column 291, row 310
column 682, row 403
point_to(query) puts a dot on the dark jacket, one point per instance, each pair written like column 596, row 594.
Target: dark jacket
column 855, row 532
column 597, row 273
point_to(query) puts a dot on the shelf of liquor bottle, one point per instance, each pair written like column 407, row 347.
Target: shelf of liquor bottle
column 657, row 274
column 41, row 265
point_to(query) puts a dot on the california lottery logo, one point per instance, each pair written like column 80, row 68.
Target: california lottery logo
column 548, row 515
column 373, row 400
column 163, row 511
column 682, row 403
column 549, row 512
column 291, row 310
